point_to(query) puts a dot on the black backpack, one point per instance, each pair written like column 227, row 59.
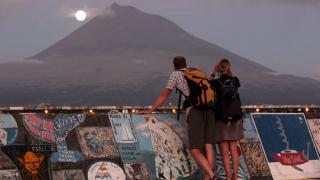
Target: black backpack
column 230, row 104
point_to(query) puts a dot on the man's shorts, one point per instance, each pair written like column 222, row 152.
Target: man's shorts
column 201, row 124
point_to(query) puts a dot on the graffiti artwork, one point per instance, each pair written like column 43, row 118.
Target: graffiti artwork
column 314, row 125
column 69, row 174
column 175, row 130
column 32, row 161
column 9, row 174
column 122, row 128
column 97, row 142
column 8, row 129
column 172, row 158
column 63, row 124
column 128, row 146
column 255, row 160
column 288, row 145
column 39, row 127
column 242, row 170
column 105, row 170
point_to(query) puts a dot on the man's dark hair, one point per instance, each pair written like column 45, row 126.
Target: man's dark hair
column 179, row 62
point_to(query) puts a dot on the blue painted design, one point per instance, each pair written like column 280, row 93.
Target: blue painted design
column 8, row 129
column 280, row 132
column 63, row 124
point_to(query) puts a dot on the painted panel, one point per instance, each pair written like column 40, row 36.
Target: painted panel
column 288, row 146
column 39, row 127
column 255, row 160
column 172, row 159
column 31, row 160
column 8, row 129
column 97, row 142
column 63, row 124
column 105, row 170
column 122, row 128
column 128, row 146
column 314, row 125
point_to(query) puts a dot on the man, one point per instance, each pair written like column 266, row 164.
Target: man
column 200, row 128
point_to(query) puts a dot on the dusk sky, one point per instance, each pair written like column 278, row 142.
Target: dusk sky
column 280, row 34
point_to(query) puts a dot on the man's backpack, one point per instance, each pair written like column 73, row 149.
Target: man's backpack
column 230, row 104
column 202, row 94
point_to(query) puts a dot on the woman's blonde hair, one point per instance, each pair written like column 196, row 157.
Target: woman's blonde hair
column 225, row 67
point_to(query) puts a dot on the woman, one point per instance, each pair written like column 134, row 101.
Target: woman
column 227, row 134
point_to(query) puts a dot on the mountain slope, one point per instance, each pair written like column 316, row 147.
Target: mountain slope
column 124, row 56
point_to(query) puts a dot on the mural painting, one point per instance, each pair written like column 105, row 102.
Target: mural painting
column 31, row 160
column 128, row 146
column 8, row 129
column 105, row 170
column 172, row 159
column 69, row 174
column 9, row 174
column 39, row 127
column 97, row 142
column 242, row 170
column 255, row 160
column 8, row 135
column 63, row 124
column 288, row 145
column 314, row 125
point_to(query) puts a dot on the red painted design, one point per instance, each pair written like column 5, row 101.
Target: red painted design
column 290, row 158
column 41, row 128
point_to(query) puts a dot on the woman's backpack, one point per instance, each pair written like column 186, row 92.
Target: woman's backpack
column 230, row 104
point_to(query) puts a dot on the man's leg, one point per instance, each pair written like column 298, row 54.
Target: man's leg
column 224, row 146
column 235, row 158
column 210, row 155
column 202, row 162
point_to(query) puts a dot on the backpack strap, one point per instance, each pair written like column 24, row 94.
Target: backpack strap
column 179, row 103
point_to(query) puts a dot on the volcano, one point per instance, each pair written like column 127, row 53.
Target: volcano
column 124, row 56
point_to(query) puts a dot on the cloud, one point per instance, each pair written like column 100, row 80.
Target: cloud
column 108, row 12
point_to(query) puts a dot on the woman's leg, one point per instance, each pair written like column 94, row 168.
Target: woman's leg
column 224, row 147
column 202, row 162
column 210, row 157
column 235, row 158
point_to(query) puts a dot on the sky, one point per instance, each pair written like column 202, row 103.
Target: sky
column 280, row 34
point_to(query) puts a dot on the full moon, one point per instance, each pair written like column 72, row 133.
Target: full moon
column 81, row 15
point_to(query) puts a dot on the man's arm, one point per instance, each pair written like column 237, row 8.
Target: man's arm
column 159, row 101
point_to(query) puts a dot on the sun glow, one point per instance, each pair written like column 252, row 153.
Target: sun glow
column 80, row 15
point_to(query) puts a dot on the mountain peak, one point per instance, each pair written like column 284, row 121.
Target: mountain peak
column 114, row 5
column 121, row 10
